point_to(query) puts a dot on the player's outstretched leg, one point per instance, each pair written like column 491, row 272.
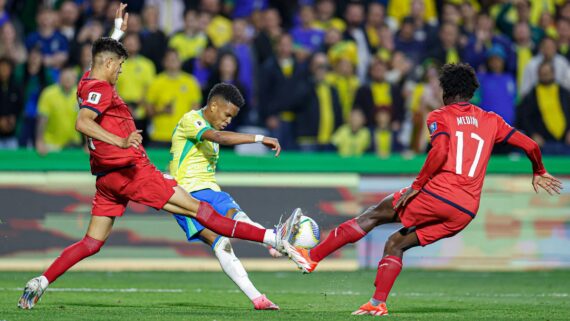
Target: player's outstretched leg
column 348, row 232
column 183, row 204
column 388, row 270
column 98, row 231
column 233, row 268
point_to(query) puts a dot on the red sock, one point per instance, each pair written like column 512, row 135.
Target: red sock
column 224, row 226
column 388, row 270
column 347, row 232
column 71, row 255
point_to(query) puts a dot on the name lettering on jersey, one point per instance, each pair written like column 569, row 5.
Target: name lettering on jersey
column 468, row 120
column 93, row 97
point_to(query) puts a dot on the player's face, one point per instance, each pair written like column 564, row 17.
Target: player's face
column 114, row 69
column 223, row 113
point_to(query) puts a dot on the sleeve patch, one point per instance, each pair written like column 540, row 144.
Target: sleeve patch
column 432, row 127
column 93, row 97
column 199, row 124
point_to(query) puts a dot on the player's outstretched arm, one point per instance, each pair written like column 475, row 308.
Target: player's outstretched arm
column 86, row 125
column 121, row 21
column 233, row 138
column 540, row 179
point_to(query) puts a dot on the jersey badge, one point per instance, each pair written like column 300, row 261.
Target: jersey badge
column 93, row 97
column 432, row 127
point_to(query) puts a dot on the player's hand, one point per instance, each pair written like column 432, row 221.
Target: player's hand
column 41, row 148
column 406, row 198
column 134, row 140
column 119, row 15
column 272, row 143
column 547, row 182
column 273, row 252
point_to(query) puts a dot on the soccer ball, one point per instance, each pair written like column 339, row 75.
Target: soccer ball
column 308, row 235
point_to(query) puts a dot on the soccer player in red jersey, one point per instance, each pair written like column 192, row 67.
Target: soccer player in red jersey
column 124, row 172
column 445, row 196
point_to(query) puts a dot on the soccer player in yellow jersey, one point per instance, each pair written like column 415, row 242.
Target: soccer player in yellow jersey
column 195, row 152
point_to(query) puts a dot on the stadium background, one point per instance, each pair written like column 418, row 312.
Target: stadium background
column 303, row 96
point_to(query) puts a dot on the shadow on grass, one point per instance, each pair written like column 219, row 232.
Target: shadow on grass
column 428, row 310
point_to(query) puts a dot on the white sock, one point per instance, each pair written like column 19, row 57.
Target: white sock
column 268, row 239
column 43, row 281
column 233, row 268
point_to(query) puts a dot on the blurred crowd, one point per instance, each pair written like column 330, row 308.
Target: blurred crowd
column 321, row 75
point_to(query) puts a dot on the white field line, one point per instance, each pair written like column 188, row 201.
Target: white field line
column 343, row 293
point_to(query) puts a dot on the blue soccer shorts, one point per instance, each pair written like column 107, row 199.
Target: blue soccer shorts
column 222, row 202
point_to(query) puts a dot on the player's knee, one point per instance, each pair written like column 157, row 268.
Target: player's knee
column 92, row 245
column 393, row 245
column 223, row 244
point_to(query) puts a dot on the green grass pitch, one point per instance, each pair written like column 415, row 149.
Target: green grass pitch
column 417, row 295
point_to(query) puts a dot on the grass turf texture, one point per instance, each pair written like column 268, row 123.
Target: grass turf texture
column 417, row 295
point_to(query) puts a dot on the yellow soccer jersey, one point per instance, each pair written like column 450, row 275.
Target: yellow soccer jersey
column 194, row 160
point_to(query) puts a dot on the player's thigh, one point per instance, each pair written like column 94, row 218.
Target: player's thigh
column 221, row 201
column 378, row 214
column 100, row 227
column 182, row 203
column 150, row 187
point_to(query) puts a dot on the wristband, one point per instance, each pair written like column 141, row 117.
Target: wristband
column 117, row 32
column 259, row 138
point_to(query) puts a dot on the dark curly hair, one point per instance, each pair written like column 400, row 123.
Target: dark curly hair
column 458, row 81
column 108, row 44
column 228, row 92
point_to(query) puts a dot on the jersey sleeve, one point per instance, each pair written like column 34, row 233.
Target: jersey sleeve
column 97, row 97
column 44, row 105
column 194, row 126
column 504, row 130
column 437, row 125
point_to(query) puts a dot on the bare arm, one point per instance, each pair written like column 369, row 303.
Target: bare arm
column 233, row 138
column 540, row 178
column 40, row 143
column 86, row 125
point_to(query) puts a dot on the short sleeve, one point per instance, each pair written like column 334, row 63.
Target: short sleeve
column 194, row 126
column 437, row 125
column 97, row 97
column 504, row 130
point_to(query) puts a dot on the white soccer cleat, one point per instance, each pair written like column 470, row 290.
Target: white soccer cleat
column 297, row 256
column 33, row 291
column 285, row 231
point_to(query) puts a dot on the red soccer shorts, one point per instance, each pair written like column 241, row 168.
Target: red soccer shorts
column 142, row 183
column 433, row 218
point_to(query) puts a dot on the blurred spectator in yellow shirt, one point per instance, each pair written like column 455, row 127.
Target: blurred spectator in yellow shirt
column 57, row 111
column 172, row 94
column 191, row 41
column 219, row 27
column 138, row 72
column 353, row 138
column 325, row 10
column 346, row 83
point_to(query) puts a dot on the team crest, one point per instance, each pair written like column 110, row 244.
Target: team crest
column 199, row 123
column 432, row 127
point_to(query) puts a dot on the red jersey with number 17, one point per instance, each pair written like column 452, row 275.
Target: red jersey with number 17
column 472, row 133
column 115, row 117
